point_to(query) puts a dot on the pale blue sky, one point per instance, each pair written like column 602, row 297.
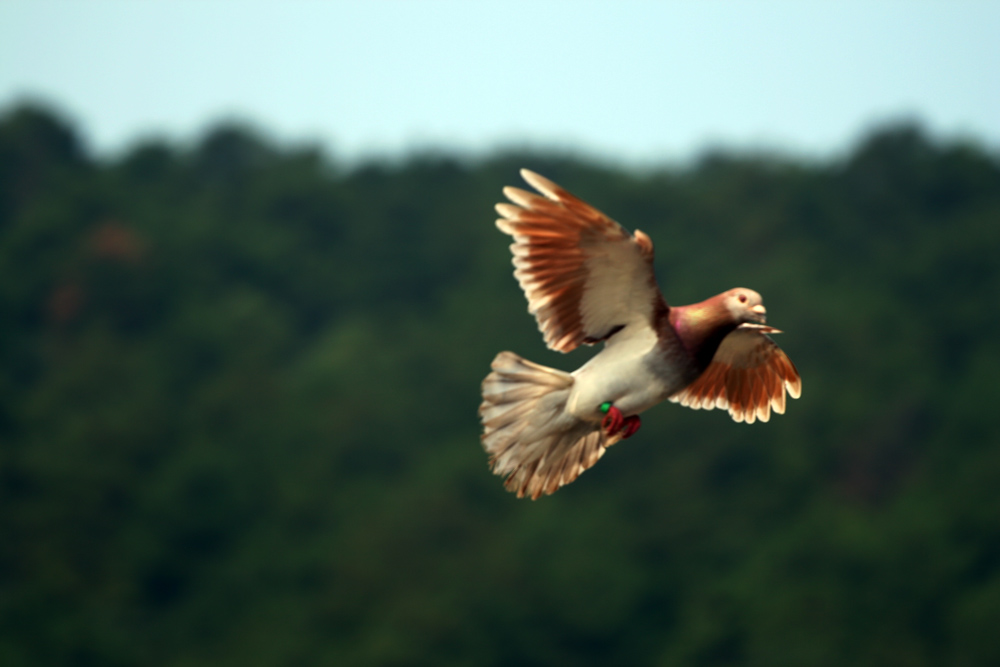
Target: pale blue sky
column 633, row 82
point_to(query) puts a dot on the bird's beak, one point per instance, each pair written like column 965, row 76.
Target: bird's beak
column 760, row 311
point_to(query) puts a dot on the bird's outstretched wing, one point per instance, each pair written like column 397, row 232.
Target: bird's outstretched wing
column 584, row 275
column 748, row 375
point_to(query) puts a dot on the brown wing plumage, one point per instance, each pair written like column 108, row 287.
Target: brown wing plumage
column 584, row 275
column 748, row 375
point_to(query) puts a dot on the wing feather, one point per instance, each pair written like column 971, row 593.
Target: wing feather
column 583, row 274
column 749, row 375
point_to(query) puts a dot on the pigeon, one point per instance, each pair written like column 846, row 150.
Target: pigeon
column 588, row 280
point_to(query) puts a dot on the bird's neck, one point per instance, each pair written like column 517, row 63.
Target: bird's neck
column 701, row 327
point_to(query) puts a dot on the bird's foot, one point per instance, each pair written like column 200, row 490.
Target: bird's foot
column 632, row 425
column 613, row 419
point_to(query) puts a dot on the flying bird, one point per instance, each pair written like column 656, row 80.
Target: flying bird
column 588, row 280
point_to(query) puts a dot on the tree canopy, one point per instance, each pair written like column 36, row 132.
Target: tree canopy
column 238, row 424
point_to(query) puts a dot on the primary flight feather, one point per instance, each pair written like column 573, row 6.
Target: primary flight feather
column 587, row 280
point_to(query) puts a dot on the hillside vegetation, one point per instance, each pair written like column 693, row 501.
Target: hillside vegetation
column 238, row 393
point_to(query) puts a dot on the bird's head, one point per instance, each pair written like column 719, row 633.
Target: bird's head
column 744, row 305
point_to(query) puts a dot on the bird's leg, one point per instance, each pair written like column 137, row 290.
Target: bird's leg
column 632, row 425
column 613, row 419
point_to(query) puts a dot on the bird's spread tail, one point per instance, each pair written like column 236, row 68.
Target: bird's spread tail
column 527, row 431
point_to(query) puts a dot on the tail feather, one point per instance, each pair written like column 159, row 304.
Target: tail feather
column 530, row 436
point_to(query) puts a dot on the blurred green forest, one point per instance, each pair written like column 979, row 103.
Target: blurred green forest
column 238, row 424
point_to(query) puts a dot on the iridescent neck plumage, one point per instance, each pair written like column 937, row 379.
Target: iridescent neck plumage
column 701, row 327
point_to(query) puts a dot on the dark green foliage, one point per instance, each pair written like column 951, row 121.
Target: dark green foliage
column 238, row 418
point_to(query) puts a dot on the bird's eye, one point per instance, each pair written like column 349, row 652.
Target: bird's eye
column 743, row 298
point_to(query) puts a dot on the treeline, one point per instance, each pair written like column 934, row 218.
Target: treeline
column 238, row 392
